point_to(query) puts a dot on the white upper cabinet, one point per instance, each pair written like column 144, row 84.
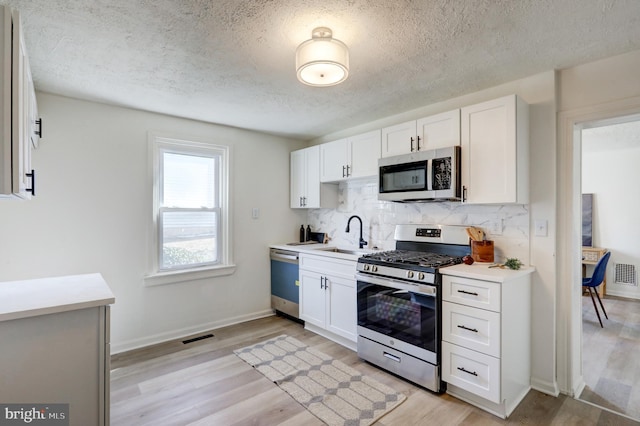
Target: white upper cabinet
column 334, row 160
column 306, row 189
column 495, row 152
column 350, row 158
column 399, row 139
column 21, row 128
column 439, row 131
column 436, row 131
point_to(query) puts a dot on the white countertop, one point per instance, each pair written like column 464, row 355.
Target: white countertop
column 482, row 271
column 324, row 250
column 29, row 298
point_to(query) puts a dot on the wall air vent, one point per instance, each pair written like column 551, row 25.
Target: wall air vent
column 625, row 274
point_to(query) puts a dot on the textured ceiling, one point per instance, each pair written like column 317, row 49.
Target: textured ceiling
column 232, row 61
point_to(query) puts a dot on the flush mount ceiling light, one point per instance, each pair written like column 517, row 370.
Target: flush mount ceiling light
column 323, row 60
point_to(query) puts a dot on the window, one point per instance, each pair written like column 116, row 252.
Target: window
column 190, row 211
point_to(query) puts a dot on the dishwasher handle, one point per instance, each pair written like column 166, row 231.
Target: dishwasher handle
column 284, row 256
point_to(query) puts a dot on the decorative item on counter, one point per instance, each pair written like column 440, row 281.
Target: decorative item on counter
column 467, row 260
column 302, row 233
column 476, row 234
column 511, row 263
column 481, row 249
column 307, row 235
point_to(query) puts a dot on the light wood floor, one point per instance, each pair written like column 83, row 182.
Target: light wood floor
column 611, row 355
column 204, row 383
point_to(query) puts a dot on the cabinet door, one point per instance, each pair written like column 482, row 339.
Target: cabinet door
column 297, row 178
column 21, row 100
column 472, row 371
column 364, row 154
column 399, row 139
column 488, row 142
column 334, row 158
column 342, row 307
column 312, row 177
column 312, row 298
column 439, row 131
column 471, row 328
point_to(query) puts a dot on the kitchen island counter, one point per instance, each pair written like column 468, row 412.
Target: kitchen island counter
column 29, row 298
column 56, row 345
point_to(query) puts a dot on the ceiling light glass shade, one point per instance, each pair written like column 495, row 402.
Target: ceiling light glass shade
column 323, row 60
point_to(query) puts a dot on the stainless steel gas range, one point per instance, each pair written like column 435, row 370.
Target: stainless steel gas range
column 399, row 301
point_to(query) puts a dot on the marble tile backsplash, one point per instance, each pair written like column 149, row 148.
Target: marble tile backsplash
column 507, row 225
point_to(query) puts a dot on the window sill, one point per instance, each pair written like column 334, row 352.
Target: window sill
column 176, row 277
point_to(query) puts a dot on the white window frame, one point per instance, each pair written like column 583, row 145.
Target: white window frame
column 159, row 143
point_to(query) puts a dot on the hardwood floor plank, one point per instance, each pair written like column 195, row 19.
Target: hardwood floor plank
column 206, row 384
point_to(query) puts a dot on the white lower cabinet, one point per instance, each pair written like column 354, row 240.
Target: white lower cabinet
column 328, row 297
column 486, row 321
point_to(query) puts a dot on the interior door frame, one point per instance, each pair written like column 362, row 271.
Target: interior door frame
column 569, row 245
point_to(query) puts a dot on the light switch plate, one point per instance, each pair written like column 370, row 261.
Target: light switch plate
column 541, row 228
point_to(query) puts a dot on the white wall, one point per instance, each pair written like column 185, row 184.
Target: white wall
column 92, row 210
column 591, row 92
column 610, row 158
column 539, row 91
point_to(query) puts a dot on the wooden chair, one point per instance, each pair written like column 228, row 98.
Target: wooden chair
column 595, row 280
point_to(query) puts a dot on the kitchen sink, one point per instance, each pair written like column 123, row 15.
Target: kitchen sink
column 345, row 251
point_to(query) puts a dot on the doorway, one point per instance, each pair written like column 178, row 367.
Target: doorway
column 610, row 154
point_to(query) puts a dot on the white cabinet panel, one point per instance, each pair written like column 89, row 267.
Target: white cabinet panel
column 472, row 371
column 486, row 331
column 476, row 293
column 342, row 314
column 334, row 159
column 364, row 152
column 312, row 298
column 472, row 328
column 306, row 189
column 399, row 139
column 18, row 110
column 439, row 131
column 353, row 157
column 495, row 151
column 328, row 294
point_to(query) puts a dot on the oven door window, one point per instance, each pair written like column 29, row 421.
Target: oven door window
column 404, row 177
column 399, row 314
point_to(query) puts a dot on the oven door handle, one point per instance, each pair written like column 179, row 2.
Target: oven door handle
column 427, row 290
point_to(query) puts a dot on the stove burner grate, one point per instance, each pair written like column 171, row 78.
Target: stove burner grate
column 407, row 257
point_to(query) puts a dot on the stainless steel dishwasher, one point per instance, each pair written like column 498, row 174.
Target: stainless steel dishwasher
column 285, row 296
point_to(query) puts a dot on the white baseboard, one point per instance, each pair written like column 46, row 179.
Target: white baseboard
column 632, row 293
column 550, row 388
column 118, row 347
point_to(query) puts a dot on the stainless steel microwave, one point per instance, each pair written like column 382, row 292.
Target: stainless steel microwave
column 431, row 175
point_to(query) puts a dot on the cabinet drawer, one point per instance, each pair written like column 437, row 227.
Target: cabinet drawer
column 328, row 265
column 472, row 371
column 476, row 293
column 471, row 328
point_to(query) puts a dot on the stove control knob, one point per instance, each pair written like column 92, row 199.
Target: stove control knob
column 421, row 276
column 410, row 274
column 366, row 267
column 374, row 268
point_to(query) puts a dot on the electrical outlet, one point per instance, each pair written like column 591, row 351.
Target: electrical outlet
column 255, row 213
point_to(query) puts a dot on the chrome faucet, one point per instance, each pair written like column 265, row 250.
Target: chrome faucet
column 362, row 242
